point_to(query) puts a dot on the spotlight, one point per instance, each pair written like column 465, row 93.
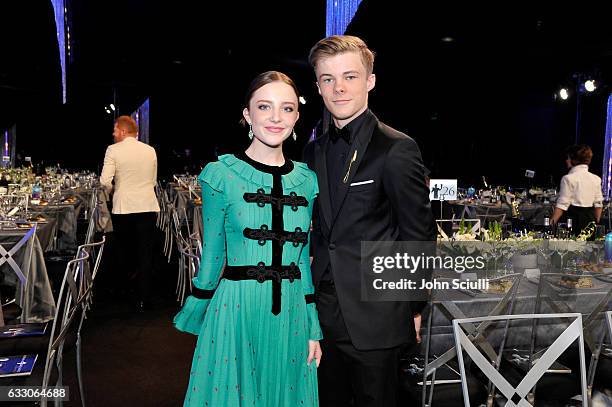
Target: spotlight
column 589, row 85
column 563, row 94
column 107, row 110
column 302, row 100
column 112, row 107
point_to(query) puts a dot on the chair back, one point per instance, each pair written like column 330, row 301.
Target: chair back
column 448, row 227
column 609, row 320
column 487, row 219
column 93, row 215
column 71, row 304
column 18, row 256
column 516, row 395
column 504, row 303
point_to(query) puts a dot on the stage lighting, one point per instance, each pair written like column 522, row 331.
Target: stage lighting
column 589, row 85
column 302, row 100
column 563, row 94
column 107, row 110
column 112, row 107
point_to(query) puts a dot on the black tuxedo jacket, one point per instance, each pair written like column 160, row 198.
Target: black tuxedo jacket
column 394, row 207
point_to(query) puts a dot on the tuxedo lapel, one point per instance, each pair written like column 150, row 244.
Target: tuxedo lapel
column 354, row 158
column 321, row 170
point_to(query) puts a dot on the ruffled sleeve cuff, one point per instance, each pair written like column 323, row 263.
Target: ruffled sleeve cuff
column 191, row 317
column 314, row 329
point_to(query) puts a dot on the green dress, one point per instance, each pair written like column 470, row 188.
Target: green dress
column 253, row 332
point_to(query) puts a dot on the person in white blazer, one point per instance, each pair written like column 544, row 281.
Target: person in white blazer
column 130, row 174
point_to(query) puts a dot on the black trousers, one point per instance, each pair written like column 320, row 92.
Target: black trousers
column 580, row 216
column 348, row 376
column 134, row 235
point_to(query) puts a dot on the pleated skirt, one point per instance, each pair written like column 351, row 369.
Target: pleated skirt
column 247, row 356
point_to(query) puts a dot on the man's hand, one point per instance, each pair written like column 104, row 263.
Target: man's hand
column 417, row 327
column 314, row 352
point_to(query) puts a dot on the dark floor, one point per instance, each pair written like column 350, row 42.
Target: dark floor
column 132, row 358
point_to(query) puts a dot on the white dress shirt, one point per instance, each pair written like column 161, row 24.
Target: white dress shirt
column 580, row 188
column 133, row 166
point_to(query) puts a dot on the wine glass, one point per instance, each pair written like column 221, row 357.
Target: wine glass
column 563, row 245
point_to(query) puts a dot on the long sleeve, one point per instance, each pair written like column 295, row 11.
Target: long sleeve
column 314, row 329
column 155, row 169
column 108, row 170
column 191, row 317
column 404, row 183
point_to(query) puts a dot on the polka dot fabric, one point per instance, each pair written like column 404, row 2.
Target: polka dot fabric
column 246, row 355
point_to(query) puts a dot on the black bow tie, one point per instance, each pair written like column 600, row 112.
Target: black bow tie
column 335, row 134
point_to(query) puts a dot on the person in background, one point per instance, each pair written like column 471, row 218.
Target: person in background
column 580, row 197
column 130, row 174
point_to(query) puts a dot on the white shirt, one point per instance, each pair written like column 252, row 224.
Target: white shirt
column 133, row 165
column 580, row 188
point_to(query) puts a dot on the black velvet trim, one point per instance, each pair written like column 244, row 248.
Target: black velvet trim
column 261, row 273
column 278, row 224
column 261, row 198
column 310, row 298
column 202, row 294
column 263, row 233
column 284, row 169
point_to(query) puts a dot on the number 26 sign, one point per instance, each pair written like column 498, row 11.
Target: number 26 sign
column 442, row 189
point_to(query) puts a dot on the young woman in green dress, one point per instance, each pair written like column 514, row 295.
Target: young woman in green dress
column 252, row 303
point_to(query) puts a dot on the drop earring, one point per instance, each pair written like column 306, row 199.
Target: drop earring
column 294, row 135
column 251, row 135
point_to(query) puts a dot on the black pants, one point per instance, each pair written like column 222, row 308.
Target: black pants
column 581, row 217
column 134, row 234
column 347, row 376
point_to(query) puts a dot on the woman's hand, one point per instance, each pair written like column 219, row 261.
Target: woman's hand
column 314, row 352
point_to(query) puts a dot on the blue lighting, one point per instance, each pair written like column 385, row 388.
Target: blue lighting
column 607, row 162
column 339, row 15
column 59, row 7
column 141, row 115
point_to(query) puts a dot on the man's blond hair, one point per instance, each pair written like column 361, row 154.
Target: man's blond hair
column 340, row 44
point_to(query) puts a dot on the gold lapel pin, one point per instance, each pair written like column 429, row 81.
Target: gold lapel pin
column 349, row 168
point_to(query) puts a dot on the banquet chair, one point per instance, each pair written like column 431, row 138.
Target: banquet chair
column 599, row 375
column 439, row 390
column 186, row 255
column 8, row 253
column 555, row 297
column 448, row 227
column 487, row 219
column 515, row 389
column 86, row 294
column 92, row 217
column 56, row 341
column 168, row 226
column 160, row 201
column 190, row 267
column 196, row 244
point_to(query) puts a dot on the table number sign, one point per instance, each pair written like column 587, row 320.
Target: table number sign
column 442, row 189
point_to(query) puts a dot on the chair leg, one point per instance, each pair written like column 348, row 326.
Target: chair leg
column 79, row 369
column 170, row 248
column 59, row 383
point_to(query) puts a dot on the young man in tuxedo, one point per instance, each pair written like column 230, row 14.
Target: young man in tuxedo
column 372, row 188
